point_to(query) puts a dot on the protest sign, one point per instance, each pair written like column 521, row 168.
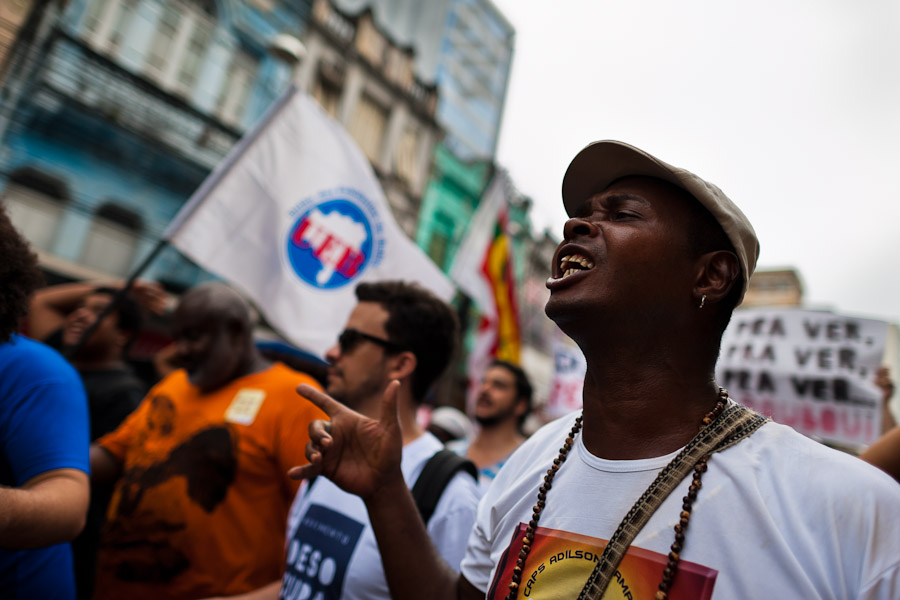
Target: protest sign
column 811, row 370
column 568, row 380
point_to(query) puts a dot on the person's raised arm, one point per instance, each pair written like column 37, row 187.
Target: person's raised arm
column 49, row 306
column 362, row 457
column 49, row 508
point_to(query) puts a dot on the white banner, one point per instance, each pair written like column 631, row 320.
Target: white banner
column 295, row 217
column 812, row 370
column 568, row 380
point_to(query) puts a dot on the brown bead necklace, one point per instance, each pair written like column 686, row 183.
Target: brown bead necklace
column 687, row 505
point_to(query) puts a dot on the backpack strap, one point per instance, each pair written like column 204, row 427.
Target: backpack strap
column 435, row 476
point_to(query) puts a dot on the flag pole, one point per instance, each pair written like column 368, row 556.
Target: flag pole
column 196, row 199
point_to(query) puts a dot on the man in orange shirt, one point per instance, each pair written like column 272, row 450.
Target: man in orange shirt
column 202, row 493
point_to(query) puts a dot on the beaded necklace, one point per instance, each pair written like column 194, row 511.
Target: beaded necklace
column 687, row 505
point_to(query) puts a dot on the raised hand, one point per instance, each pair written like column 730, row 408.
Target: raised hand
column 150, row 295
column 360, row 455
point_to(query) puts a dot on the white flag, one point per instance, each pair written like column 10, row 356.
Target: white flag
column 295, row 218
column 483, row 269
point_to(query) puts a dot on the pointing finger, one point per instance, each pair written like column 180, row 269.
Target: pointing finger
column 329, row 405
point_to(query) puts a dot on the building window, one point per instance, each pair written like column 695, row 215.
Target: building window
column 183, row 33
column 198, row 42
column 182, row 37
column 35, row 203
column 112, row 240
column 437, row 248
column 163, row 39
column 94, row 16
column 328, row 96
column 439, row 244
column 367, row 126
column 238, row 85
column 120, row 27
column 406, row 156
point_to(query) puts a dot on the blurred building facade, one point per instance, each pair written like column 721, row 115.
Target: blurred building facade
column 466, row 47
column 114, row 111
column 366, row 81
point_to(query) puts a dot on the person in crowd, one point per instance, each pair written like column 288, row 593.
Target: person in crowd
column 61, row 315
column 449, row 424
column 43, row 442
column 397, row 332
column 661, row 486
column 884, row 453
column 886, row 385
column 503, row 403
column 201, row 492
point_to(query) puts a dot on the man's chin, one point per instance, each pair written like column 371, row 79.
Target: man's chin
column 488, row 421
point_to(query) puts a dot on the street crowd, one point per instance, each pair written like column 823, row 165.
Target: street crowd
column 225, row 473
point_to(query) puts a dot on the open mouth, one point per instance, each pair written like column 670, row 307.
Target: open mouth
column 574, row 263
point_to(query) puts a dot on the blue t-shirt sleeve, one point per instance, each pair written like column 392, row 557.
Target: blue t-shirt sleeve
column 45, row 425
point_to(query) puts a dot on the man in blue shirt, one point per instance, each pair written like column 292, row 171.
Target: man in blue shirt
column 43, row 443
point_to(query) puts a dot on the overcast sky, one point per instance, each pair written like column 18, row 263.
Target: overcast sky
column 791, row 107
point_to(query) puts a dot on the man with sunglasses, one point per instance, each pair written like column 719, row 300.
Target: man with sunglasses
column 397, row 331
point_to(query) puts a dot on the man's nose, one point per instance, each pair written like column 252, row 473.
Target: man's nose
column 576, row 227
column 333, row 354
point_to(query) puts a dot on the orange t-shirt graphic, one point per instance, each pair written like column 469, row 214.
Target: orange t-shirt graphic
column 201, row 505
column 560, row 562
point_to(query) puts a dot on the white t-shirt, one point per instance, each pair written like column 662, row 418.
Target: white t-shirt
column 778, row 516
column 331, row 550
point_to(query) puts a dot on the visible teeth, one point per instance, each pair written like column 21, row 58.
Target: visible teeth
column 576, row 259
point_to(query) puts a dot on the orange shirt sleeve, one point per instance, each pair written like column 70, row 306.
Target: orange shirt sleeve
column 116, row 442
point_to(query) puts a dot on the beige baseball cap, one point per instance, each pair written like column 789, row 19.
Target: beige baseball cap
column 601, row 163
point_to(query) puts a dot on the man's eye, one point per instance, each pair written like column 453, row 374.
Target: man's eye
column 623, row 215
column 583, row 211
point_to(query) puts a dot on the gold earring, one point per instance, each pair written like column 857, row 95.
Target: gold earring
column 702, row 300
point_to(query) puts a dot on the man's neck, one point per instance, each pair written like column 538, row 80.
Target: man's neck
column 645, row 404
column 493, row 444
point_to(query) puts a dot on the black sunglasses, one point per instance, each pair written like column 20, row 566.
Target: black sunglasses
column 351, row 338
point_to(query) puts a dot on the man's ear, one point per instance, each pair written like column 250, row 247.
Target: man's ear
column 718, row 273
column 521, row 407
column 402, row 365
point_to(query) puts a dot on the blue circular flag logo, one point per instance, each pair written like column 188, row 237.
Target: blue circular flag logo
column 331, row 243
